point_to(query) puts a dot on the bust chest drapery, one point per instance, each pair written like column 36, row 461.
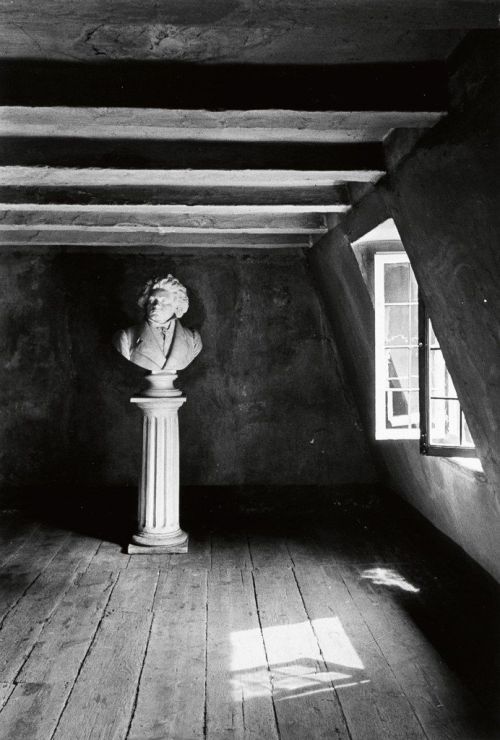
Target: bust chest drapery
column 143, row 346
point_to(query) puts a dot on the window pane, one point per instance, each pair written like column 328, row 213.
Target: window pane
column 397, row 367
column 414, row 368
column 396, row 325
column 445, row 422
column 393, row 358
column 441, row 382
column 414, row 410
column 437, row 372
column 414, row 324
column 397, row 282
column 396, row 409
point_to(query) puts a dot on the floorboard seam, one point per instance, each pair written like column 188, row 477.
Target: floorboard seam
column 205, row 699
column 6, row 700
column 136, row 695
column 321, row 653
column 290, row 556
column 13, row 606
column 17, row 547
column 271, row 679
column 80, row 668
column 398, row 683
column 250, row 555
column 70, row 584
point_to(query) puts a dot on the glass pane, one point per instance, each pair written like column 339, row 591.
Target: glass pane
column 414, row 410
column 437, row 372
column 397, row 367
column 413, row 287
column 396, row 325
column 414, row 324
column 444, row 418
column 414, row 368
column 396, row 406
column 441, row 382
column 433, row 342
column 467, row 440
column 396, row 283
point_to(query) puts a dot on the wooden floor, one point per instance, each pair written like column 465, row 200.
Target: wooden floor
column 368, row 626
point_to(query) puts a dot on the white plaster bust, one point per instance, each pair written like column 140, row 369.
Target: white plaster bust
column 160, row 343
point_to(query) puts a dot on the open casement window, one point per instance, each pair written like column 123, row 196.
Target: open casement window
column 414, row 392
column 396, row 348
column 444, row 429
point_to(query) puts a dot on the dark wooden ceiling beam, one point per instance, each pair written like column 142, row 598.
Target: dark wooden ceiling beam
column 321, row 198
column 324, row 198
column 162, row 84
column 63, row 151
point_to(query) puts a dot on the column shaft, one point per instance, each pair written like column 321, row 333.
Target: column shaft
column 158, row 503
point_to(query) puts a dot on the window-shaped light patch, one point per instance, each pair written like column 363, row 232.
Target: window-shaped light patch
column 287, row 661
column 396, row 348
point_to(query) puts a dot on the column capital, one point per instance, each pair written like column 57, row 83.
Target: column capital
column 158, row 405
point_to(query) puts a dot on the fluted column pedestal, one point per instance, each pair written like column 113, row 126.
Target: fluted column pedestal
column 158, row 528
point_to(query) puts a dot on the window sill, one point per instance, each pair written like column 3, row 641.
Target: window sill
column 470, row 465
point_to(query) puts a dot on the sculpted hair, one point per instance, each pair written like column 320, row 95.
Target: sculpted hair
column 178, row 291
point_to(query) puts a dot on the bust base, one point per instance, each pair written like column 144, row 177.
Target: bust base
column 160, row 385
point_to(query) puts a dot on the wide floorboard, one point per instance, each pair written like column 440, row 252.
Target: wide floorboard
column 368, row 625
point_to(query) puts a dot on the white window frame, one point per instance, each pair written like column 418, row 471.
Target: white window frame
column 381, row 431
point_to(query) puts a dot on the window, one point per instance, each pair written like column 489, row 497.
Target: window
column 444, row 429
column 406, row 350
column 396, row 348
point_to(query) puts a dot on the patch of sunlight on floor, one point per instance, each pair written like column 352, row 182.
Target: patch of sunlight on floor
column 388, row 577
column 297, row 666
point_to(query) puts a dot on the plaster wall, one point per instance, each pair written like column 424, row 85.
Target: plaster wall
column 267, row 399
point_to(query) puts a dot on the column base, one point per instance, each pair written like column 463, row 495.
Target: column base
column 144, row 544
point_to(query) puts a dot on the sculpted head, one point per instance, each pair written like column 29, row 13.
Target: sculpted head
column 159, row 344
column 162, row 299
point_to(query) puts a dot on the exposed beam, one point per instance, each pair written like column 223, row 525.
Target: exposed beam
column 177, row 85
column 115, row 177
column 214, row 178
column 27, row 151
column 129, row 220
column 157, row 211
column 204, row 125
column 136, row 240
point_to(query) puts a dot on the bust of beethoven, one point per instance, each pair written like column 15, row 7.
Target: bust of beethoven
column 160, row 343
